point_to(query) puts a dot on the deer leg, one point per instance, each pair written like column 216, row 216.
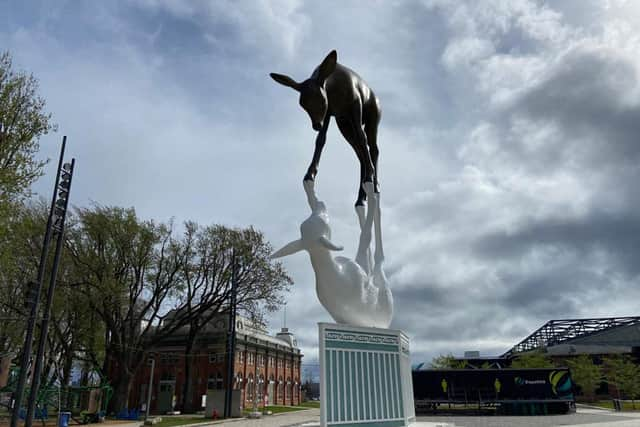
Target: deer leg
column 312, row 199
column 321, row 139
column 371, row 116
column 361, row 140
column 347, row 130
column 379, row 252
column 363, row 257
column 367, row 171
column 372, row 135
column 362, row 195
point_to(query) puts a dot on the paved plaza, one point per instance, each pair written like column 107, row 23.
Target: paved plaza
column 585, row 417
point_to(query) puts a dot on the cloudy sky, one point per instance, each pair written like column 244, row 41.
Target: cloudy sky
column 509, row 142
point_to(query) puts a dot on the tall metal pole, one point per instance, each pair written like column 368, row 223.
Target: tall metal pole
column 231, row 338
column 28, row 340
column 146, row 413
column 44, row 328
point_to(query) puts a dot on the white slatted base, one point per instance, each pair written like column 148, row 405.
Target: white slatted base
column 365, row 377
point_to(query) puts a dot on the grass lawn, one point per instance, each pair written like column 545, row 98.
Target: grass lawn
column 276, row 409
column 280, row 409
column 180, row 421
column 311, row 404
column 608, row 404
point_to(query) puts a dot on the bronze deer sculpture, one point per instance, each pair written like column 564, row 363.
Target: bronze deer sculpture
column 335, row 90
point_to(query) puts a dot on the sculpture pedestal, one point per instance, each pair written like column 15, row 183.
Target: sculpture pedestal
column 365, row 377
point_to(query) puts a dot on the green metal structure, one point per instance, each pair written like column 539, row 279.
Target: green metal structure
column 86, row 404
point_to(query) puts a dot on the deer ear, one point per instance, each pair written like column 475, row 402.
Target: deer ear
column 286, row 81
column 328, row 66
column 329, row 244
column 288, row 249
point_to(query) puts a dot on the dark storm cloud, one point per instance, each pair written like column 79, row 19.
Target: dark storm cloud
column 615, row 235
column 590, row 97
column 550, row 294
column 422, row 296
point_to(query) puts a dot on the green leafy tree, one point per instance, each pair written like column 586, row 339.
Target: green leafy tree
column 585, row 374
column 145, row 284
column 128, row 271
column 535, row 359
column 22, row 122
column 624, row 374
column 66, row 340
column 447, row 362
column 21, row 245
column 633, row 388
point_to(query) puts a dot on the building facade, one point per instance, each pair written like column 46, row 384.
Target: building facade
column 562, row 340
column 266, row 368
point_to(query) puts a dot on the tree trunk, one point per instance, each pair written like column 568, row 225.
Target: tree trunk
column 121, row 390
column 66, row 378
column 66, row 369
column 187, row 400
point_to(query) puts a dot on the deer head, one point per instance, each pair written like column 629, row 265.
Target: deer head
column 313, row 96
column 315, row 232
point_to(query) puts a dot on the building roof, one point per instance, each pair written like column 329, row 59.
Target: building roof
column 247, row 331
column 595, row 335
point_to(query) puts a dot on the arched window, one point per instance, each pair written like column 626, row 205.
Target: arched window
column 239, row 382
column 250, row 387
column 261, row 387
column 288, row 392
column 280, row 388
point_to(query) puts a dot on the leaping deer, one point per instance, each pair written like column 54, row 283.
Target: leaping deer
column 353, row 292
column 335, row 90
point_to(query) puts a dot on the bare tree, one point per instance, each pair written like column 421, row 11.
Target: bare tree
column 207, row 271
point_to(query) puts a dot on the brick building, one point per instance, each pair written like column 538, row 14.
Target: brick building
column 266, row 368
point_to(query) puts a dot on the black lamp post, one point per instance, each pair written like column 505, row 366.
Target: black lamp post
column 55, row 224
column 33, row 298
column 231, row 339
column 59, row 216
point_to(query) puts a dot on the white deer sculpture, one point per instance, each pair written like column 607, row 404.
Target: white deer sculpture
column 353, row 292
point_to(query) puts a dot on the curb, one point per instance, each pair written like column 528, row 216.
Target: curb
column 585, row 405
column 233, row 420
column 210, row 423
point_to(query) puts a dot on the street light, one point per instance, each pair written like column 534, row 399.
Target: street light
column 231, row 338
column 61, row 197
column 34, row 290
column 152, row 362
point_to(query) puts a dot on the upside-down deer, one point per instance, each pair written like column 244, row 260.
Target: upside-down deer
column 353, row 292
column 335, row 90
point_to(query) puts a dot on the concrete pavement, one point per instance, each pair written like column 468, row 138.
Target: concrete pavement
column 584, row 417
